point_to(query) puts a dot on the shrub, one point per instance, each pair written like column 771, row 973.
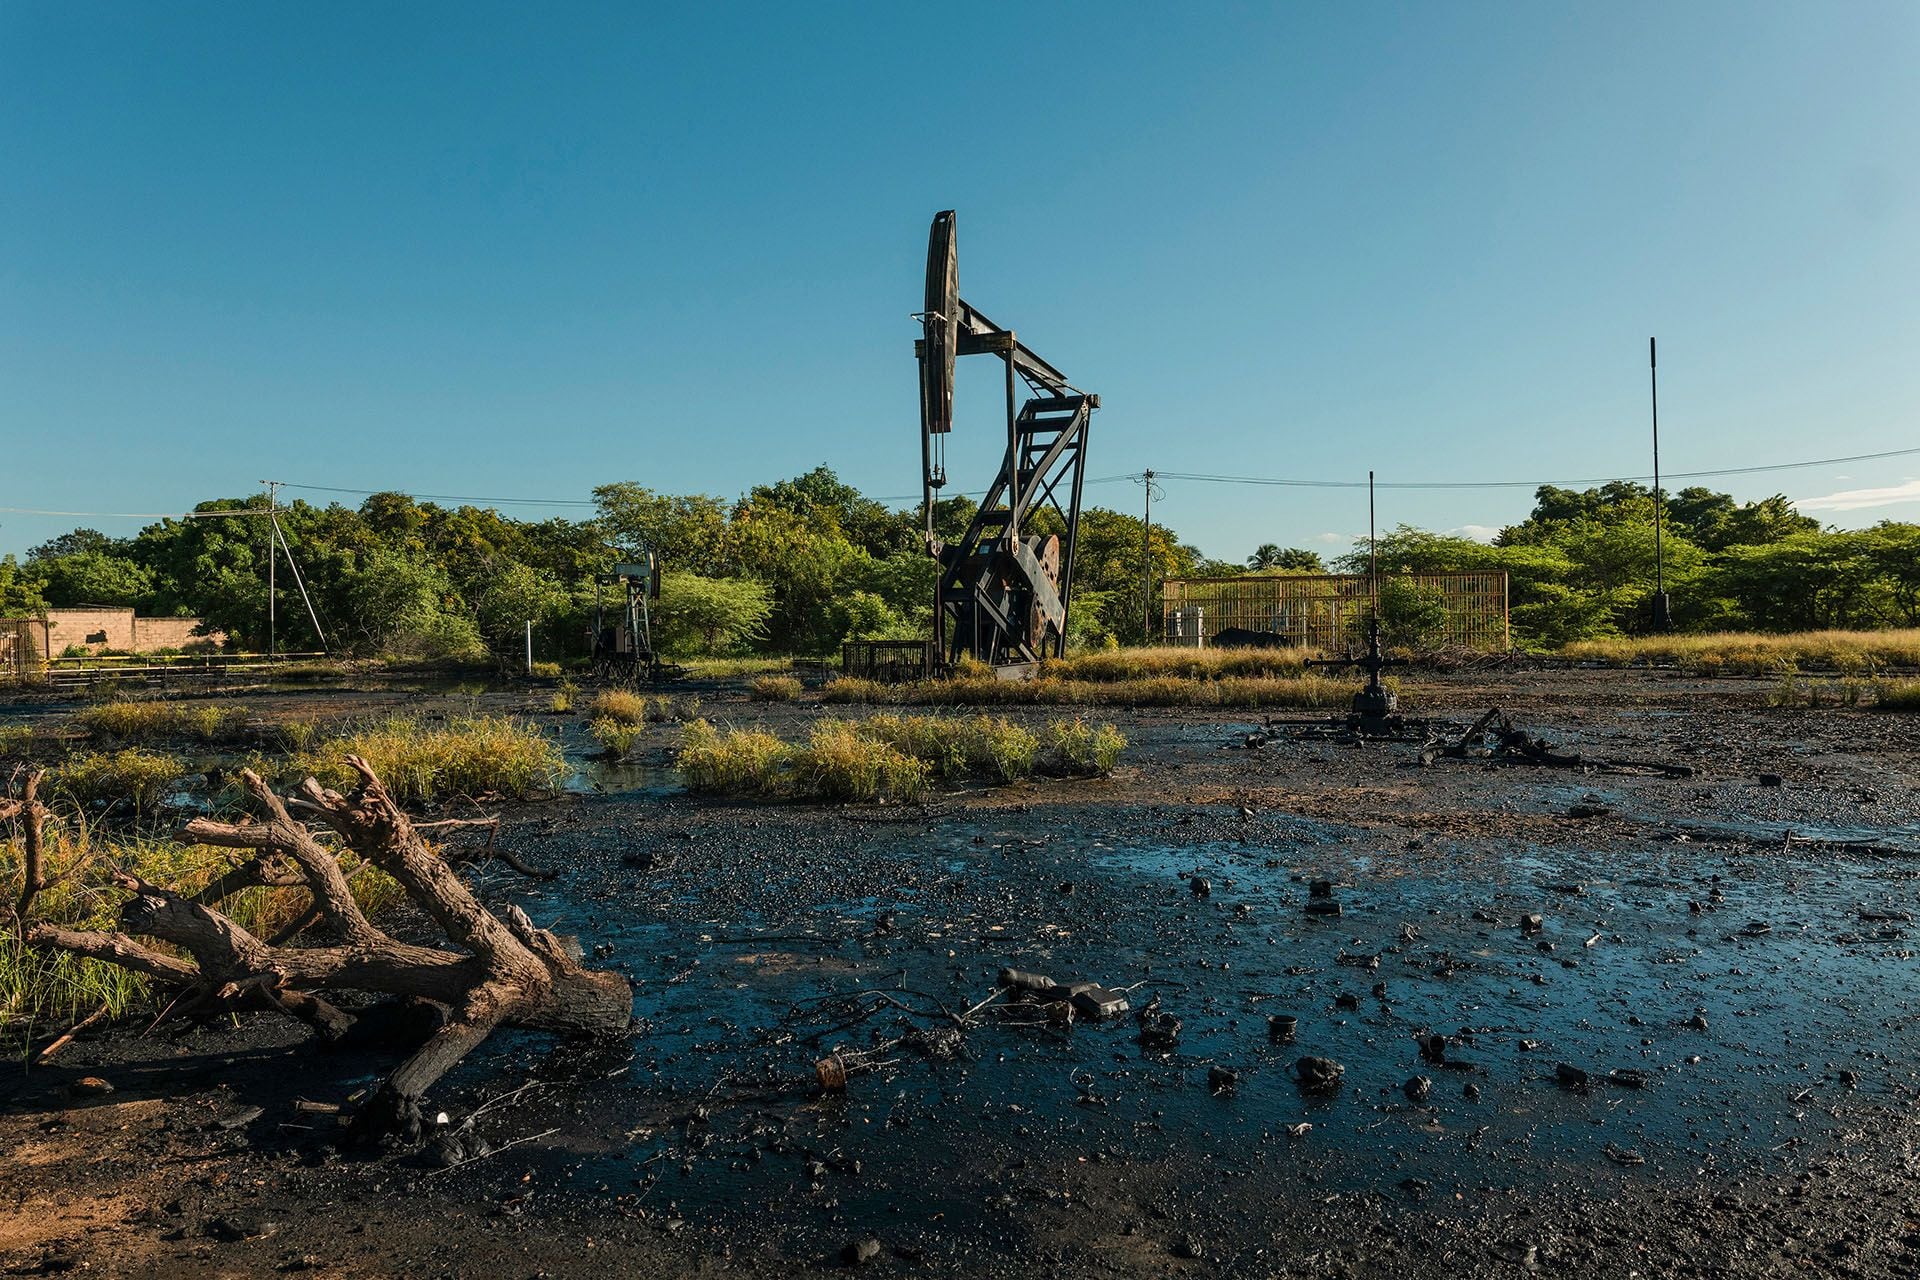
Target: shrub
column 471, row 755
column 138, row 779
column 562, row 701
column 616, row 737
column 546, row 671
column 623, row 705
column 774, row 688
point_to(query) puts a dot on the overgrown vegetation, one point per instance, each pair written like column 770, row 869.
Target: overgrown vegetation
column 39, row 986
column 421, row 763
column 162, row 721
column 130, row 782
column 1298, row 692
column 889, row 757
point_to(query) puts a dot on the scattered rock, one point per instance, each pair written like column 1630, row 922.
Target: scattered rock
column 1318, row 1075
column 89, row 1087
column 1419, row 1089
column 1222, row 1079
column 859, row 1253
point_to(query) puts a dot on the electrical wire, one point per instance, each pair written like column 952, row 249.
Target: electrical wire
column 1528, row 484
column 1189, row 476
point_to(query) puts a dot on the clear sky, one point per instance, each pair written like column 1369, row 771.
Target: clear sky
column 522, row 250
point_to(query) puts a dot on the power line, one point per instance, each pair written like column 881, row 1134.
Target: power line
column 1528, row 484
column 1190, row 476
column 135, row 515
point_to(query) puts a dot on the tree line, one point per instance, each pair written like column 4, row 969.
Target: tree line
column 802, row 564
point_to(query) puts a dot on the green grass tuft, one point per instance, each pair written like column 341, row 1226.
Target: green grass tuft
column 164, row 721
column 134, row 779
column 890, row 757
column 470, row 756
column 1896, row 695
column 616, row 737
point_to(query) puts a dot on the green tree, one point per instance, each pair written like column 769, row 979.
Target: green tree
column 699, row 615
column 1270, row 557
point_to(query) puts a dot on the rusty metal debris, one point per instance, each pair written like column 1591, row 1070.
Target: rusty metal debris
column 1495, row 739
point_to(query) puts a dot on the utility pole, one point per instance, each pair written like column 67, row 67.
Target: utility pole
column 1662, row 607
column 273, row 533
column 1146, row 563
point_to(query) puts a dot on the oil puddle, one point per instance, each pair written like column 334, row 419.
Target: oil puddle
column 1609, row 1015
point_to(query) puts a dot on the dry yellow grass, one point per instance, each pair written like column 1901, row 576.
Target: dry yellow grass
column 1304, row 692
column 1758, row 653
column 1113, row 665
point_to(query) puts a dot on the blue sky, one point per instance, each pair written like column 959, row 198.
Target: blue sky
column 522, row 250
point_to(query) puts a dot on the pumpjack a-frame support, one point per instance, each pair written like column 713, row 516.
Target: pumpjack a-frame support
column 1003, row 594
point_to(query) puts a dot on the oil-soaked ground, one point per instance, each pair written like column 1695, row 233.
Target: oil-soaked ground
column 1700, row 1059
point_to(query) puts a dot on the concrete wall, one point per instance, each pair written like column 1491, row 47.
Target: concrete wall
column 113, row 628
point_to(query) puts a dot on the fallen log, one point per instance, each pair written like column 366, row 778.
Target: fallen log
column 504, row 972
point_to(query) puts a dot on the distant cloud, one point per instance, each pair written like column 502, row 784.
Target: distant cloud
column 1861, row 499
column 1337, row 539
column 1478, row 532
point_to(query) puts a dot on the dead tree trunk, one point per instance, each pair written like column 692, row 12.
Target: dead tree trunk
column 506, row 973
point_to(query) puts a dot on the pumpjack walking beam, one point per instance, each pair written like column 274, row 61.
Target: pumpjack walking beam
column 1002, row 595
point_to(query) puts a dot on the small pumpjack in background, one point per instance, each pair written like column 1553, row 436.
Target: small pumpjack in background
column 623, row 645
column 1002, row 595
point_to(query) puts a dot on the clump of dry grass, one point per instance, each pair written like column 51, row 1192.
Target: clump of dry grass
column 1299, row 692
column 154, row 721
column 1756, row 653
column 623, row 705
column 774, row 688
column 419, row 763
column 1119, row 665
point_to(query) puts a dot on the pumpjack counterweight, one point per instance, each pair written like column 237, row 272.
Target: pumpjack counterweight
column 1003, row 594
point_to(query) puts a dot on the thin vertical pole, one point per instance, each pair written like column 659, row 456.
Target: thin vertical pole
column 529, row 646
column 1373, row 547
column 1662, row 610
column 1146, row 564
column 273, row 524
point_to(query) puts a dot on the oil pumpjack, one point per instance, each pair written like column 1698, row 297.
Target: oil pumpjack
column 1002, row 596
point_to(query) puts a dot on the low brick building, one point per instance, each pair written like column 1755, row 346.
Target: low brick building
column 97, row 627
